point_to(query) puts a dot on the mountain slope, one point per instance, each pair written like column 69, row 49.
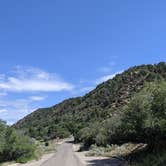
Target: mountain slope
column 102, row 103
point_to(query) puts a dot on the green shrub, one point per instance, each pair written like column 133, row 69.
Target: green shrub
column 94, row 134
column 15, row 146
column 144, row 119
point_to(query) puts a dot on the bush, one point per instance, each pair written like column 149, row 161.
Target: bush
column 144, row 119
column 15, row 146
column 94, row 134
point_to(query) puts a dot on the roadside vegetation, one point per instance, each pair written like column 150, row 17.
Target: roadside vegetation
column 142, row 123
column 14, row 145
column 142, row 120
column 119, row 151
column 47, row 146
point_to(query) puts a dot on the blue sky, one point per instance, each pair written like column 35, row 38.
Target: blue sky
column 55, row 49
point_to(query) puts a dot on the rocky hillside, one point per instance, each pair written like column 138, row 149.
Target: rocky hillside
column 102, row 103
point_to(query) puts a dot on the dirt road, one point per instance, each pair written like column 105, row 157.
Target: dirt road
column 65, row 156
column 68, row 156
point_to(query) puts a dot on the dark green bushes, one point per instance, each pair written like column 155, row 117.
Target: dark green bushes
column 143, row 120
column 14, row 145
column 145, row 117
column 94, row 134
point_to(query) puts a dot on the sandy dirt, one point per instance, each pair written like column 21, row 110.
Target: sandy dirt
column 36, row 163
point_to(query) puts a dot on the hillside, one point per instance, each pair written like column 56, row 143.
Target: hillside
column 104, row 102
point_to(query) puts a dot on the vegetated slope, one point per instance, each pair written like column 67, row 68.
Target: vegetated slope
column 102, row 103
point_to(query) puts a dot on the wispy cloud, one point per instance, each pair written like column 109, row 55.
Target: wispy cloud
column 13, row 110
column 107, row 77
column 34, row 84
column 33, row 80
column 3, row 110
column 37, row 98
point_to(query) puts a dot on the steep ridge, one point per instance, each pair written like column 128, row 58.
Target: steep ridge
column 105, row 101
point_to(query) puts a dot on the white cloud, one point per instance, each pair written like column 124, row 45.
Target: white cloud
column 33, row 80
column 13, row 110
column 107, row 77
column 3, row 110
column 37, row 98
column 23, row 79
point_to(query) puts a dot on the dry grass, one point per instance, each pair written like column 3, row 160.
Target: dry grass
column 115, row 150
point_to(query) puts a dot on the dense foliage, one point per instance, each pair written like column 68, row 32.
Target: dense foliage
column 14, row 145
column 152, row 159
column 107, row 114
column 145, row 117
column 142, row 120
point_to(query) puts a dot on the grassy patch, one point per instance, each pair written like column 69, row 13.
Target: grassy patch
column 50, row 146
column 45, row 148
column 7, row 163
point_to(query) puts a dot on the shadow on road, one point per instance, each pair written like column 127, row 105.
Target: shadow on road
column 106, row 162
column 70, row 141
